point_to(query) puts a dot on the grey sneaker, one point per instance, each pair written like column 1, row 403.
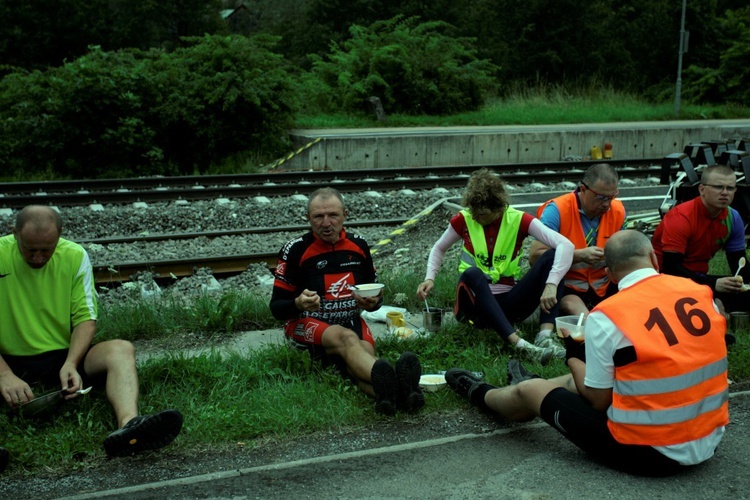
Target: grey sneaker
column 540, row 354
column 550, row 343
column 517, row 373
column 463, row 382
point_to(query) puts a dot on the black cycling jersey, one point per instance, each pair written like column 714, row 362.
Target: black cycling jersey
column 330, row 269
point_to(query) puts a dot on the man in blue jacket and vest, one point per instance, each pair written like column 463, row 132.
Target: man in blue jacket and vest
column 588, row 217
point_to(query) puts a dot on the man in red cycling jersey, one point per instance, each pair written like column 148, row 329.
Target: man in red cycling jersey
column 312, row 292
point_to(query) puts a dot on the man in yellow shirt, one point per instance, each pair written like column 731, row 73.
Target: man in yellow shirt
column 48, row 313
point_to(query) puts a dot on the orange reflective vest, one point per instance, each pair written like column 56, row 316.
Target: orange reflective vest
column 676, row 390
column 581, row 276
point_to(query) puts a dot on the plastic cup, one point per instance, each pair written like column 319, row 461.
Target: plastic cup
column 570, row 323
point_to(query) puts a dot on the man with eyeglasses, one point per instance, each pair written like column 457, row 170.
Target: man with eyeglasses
column 692, row 232
column 588, row 217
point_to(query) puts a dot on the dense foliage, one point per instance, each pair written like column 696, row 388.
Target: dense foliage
column 727, row 79
column 146, row 112
column 413, row 68
column 101, row 87
column 37, row 35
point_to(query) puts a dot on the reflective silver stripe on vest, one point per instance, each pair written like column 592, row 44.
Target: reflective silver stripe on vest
column 576, row 282
column 582, row 284
column 470, row 261
column 669, row 416
column 670, row 384
column 467, row 258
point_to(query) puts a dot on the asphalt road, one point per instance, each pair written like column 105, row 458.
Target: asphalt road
column 530, row 461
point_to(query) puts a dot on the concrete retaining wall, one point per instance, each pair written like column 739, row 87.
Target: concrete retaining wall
column 349, row 149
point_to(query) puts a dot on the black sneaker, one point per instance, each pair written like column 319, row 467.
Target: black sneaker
column 462, row 381
column 4, row 456
column 408, row 371
column 517, row 373
column 143, row 433
column 385, row 385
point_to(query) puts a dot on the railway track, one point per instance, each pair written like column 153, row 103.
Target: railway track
column 221, row 266
column 234, row 263
column 168, row 189
column 16, row 195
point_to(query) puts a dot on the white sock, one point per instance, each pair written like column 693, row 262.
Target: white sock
column 543, row 335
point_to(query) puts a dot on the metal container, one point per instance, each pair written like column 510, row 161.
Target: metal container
column 432, row 320
column 739, row 320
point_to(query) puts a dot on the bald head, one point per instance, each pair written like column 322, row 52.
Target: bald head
column 37, row 231
column 38, row 217
column 627, row 251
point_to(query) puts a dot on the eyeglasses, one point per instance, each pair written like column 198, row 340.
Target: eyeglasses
column 721, row 187
column 599, row 196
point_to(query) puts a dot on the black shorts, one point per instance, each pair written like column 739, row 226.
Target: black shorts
column 589, row 297
column 44, row 369
column 307, row 334
column 587, row 428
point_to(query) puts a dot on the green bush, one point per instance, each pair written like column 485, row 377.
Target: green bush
column 143, row 113
column 220, row 96
column 83, row 116
column 725, row 81
column 413, row 69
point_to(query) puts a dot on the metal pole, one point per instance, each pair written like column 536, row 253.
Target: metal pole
column 681, row 50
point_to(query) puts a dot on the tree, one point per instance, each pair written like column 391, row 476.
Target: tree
column 37, row 36
column 413, row 68
column 726, row 80
column 150, row 112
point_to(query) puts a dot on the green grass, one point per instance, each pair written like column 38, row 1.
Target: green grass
column 543, row 106
column 277, row 393
column 274, row 393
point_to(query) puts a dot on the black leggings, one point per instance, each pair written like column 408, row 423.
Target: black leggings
column 587, row 428
column 476, row 303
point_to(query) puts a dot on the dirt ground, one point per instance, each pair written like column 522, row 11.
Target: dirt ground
column 169, row 464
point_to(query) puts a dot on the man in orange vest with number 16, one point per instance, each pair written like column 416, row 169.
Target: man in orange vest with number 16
column 651, row 375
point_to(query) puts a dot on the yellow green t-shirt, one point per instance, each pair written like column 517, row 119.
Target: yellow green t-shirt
column 40, row 307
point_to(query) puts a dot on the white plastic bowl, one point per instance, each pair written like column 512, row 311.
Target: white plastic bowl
column 367, row 289
column 432, row 382
column 570, row 323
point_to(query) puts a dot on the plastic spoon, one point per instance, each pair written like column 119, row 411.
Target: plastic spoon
column 426, row 305
column 580, row 320
column 43, row 403
column 739, row 268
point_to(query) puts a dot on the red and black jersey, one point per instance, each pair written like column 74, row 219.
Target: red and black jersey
column 330, row 269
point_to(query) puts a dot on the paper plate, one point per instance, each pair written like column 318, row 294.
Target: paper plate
column 367, row 289
column 432, row 382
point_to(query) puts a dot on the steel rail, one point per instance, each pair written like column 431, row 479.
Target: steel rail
column 288, row 176
column 222, row 265
column 227, row 232
column 573, row 172
column 115, row 274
